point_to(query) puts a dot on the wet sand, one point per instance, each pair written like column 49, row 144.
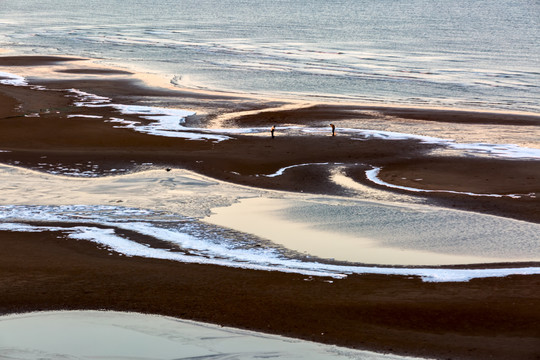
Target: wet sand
column 29, row 137
column 483, row 318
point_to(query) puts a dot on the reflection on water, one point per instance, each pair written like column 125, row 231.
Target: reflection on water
column 365, row 50
column 378, row 233
column 259, row 229
column 87, row 335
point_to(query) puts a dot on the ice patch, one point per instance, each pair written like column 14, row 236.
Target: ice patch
column 379, row 134
column 156, row 113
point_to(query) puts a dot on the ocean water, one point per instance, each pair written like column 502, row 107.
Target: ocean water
column 465, row 54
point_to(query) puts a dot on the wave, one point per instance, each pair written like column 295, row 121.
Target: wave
column 348, row 72
column 282, row 53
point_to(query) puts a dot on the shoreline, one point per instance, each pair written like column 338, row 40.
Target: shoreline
column 361, row 311
column 387, row 313
column 85, row 207
column 91, row 334
column 91, row 67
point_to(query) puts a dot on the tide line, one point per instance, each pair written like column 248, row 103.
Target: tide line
column 373, row 176
column 108, row 238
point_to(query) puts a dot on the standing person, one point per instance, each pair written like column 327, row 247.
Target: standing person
column 272, row 131
column 333, row 129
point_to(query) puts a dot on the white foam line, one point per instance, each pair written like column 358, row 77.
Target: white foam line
column 85, row 116
column 126, row 247
column 252, row 130
column 498, row 150
column 166, row 122
column 12, row 79
column 108, row 238
column 192, row 243
column 373, row 174
column 168, row 126
column 169, row 120
column 282, row 170
column 87, row 99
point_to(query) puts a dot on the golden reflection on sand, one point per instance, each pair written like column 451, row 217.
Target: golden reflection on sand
column 265, row 218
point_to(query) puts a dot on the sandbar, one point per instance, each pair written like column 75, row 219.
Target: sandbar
column 495, row 318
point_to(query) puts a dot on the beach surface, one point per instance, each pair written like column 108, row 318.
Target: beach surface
column 67, row 117
column 121, row 335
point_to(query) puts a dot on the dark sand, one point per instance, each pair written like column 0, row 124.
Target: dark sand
column 34, row 60
column 482, row 319
column 95, row 72
column 340, row 112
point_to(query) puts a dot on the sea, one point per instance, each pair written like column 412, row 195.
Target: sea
column 481, row 54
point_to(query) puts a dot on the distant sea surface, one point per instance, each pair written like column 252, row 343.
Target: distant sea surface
column 481, row 54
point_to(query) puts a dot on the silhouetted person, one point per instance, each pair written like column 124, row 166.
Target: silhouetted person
column 333, row 129
column 272, row 131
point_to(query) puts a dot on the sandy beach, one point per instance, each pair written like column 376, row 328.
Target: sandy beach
column 48, row 127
